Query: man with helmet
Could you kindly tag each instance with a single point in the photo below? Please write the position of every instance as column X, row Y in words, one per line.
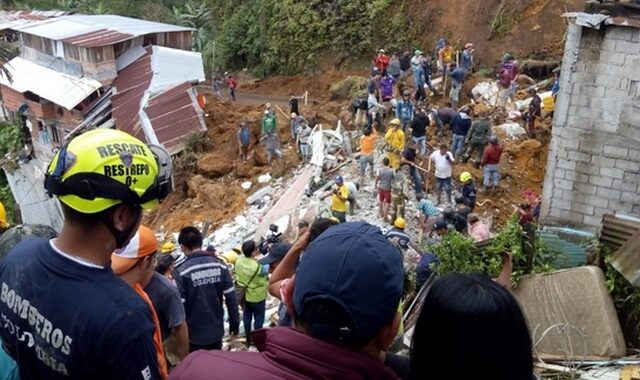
column 397, row 234
column 490, row 164
column 394, row 143
column 64, row 313
column 468, row 190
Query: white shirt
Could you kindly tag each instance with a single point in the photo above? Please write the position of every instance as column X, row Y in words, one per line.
column 443, row 167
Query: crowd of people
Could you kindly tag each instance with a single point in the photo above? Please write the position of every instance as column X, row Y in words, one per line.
column 106, row 299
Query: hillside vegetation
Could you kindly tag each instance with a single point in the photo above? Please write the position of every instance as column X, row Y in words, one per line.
column 301, row 36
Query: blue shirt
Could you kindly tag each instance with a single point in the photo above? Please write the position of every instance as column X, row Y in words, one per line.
column 427, row 208
column 467, row 59
column 203, row 281
column 460, row 124
column 457, row 75
column 556, row 87
column 71, row 320
column 400, row 236
column 404, row 110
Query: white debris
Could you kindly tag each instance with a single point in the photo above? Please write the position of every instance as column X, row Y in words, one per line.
column 253, row 198
column 512, row 130
column 241, row 221
column 264, row 178
column 246, row 185
column 486, row 92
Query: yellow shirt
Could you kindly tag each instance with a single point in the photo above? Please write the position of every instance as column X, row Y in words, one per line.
column 336, row 203
column 447, row 54
column 395, row 138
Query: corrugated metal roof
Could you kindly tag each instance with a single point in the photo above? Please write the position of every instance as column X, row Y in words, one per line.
column 102, row 37
column 175, row 114
column 62, row 89
column 171, row 66
column 595, row 20
column 13, row 19
column 627, row 261
column 172, row 109
column 96, row 30
column 617, row 229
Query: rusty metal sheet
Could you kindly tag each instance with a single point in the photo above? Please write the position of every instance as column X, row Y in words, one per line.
column 626, row 260
column 617, row 229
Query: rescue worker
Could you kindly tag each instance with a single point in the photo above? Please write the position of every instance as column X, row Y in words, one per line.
column 477, row 138
column 103, row 178
column 398, row 235
column 394, row 143
column 468, row 190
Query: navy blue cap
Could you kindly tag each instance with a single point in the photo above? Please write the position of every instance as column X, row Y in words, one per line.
column 440, row 224
column 276, row 253
column 339, row 179
column 355, row 266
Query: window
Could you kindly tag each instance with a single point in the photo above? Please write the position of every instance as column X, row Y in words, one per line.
column 55, row 134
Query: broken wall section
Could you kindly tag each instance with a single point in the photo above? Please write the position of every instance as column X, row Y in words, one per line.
column 593, row 166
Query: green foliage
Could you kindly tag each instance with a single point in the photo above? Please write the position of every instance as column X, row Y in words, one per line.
column 455, row 252
column 11, row 138
column 626, row 298
column 6, row 197
column 289, row 36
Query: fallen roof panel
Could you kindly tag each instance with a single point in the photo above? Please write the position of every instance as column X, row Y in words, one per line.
column 62, row 89
column 102, row 37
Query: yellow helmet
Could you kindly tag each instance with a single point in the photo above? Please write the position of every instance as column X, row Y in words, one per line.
column 105, row 167
column 231, row 256
column 400, row 223
column 395, row 122
column 168, row 246
column 3, row 217
column 465, row 176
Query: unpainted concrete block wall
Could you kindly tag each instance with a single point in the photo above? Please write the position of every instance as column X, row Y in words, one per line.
column 593, row 166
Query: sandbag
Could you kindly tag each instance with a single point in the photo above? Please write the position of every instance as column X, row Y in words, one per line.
column 576, row 297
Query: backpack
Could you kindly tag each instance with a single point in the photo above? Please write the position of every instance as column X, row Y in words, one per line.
column 359, row 104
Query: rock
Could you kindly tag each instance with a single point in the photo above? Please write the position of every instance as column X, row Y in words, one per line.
column 217, row 195
column 195, row 184
column 246, row 185
column 215, row 165
column 348, row 88
column 244, row 170
column 259, row 156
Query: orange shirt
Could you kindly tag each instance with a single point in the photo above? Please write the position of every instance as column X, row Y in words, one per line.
column 367, row 144
column 157, row 338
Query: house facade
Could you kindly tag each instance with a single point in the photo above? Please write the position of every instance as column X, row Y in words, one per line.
column 72, row 75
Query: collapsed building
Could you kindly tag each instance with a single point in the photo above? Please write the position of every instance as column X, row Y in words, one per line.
column 77, row 72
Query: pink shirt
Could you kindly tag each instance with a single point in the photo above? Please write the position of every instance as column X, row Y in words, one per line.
column 479, row 231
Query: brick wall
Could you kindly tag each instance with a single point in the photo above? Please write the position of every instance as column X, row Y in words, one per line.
column 594, row 160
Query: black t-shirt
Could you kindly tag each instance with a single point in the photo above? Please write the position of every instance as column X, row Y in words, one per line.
column 62, row 319
column 293, row 105
column 419, row 125
column 405, row 63
column 409, row 154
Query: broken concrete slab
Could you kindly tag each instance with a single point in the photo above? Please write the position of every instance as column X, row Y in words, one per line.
column 258, row 195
